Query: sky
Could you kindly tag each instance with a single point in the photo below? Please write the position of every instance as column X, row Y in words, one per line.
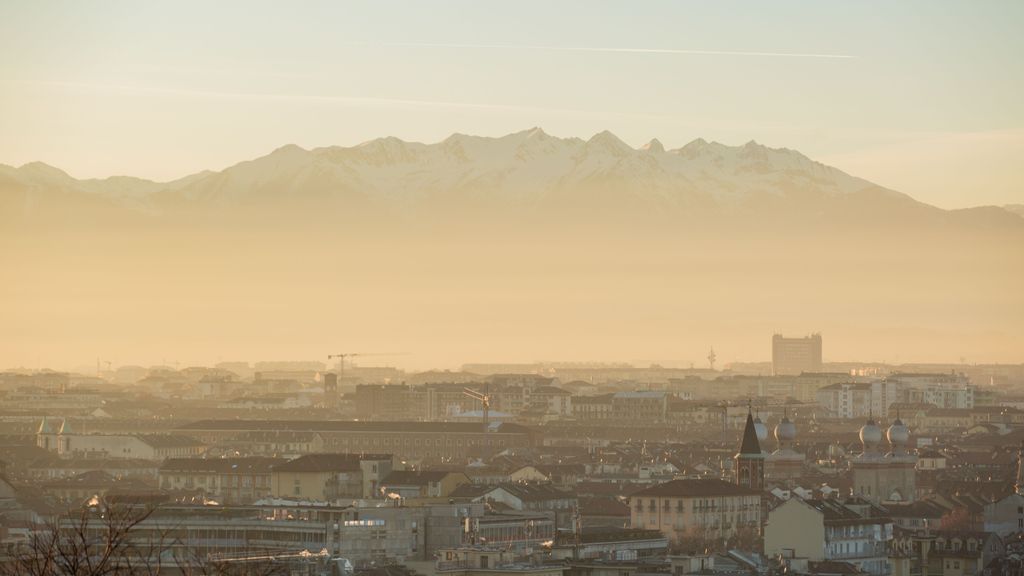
column 919, row 96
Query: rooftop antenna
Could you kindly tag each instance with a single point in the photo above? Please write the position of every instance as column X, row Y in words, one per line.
column 711, row 358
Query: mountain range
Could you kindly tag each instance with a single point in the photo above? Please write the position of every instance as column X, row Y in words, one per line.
column 519, row 248
column 528, row 171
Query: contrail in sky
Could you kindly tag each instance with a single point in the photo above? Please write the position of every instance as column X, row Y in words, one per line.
column 614, row 50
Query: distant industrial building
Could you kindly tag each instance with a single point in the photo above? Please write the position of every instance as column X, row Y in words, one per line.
column 796, row 355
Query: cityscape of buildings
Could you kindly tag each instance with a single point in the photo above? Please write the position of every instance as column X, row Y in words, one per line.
column 801, row 466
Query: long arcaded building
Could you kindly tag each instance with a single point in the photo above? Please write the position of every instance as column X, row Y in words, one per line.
column 407, row 440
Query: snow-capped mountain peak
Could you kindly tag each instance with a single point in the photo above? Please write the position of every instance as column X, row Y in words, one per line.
column 654, row 146
column 529, row 167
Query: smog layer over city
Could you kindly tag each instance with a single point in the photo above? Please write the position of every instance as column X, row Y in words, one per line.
column 506, row 288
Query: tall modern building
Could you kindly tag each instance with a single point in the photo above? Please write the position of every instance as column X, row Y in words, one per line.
column 793, row 356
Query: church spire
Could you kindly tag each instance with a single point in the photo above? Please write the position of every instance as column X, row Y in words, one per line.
column 750, row 459
column 750, row 444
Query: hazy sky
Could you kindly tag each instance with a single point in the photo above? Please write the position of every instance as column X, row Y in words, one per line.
column 923, row 97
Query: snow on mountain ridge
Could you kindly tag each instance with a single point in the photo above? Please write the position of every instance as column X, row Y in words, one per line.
column 529, row 166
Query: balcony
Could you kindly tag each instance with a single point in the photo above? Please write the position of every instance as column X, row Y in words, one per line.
column 875, row 550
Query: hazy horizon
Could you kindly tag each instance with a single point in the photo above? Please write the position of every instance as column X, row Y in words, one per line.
column 885, row 134
column 513, row 249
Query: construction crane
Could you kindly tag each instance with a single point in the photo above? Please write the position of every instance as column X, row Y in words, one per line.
column 485, row 399
column 342, row 356
column 98, row 362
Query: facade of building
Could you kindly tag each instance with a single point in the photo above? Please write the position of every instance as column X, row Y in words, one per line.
column 949, row 390
column 489, row 561
column 225, row 480
column 592, row 408
column 421, row 483
column 330, row 477
column 67, row 443
column 409, row 441
column 796, row 355
column 889, row 477
column 708, row 510
column 856, row 399
column 846, row 399
column 948, row 553
column 363, row 535
column 827, row 530
column 647, row 406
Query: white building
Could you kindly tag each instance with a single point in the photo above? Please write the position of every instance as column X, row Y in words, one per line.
column 942, row 390
column 821, row 530
column 68, row 444
column 859, row 399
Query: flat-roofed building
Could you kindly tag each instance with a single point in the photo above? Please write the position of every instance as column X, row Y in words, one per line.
column 329, row 477
column 796, row 355
column 226, row 480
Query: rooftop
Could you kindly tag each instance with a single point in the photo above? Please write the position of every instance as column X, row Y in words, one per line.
column 221, row 465
column 328, row 462
column 416, row 477
column 695, row 488
column 348, row 426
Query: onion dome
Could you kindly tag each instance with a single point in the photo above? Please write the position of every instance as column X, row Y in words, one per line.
column 870, row 435
column 761, row 429
column 785, row 431
column 898, row 434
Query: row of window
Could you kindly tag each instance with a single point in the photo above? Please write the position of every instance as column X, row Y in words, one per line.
column 227, row 481
column 421, row 442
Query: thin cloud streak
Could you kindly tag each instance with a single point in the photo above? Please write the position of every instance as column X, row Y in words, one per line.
column 354, row 101
column 270, row 96
column 612, row 50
